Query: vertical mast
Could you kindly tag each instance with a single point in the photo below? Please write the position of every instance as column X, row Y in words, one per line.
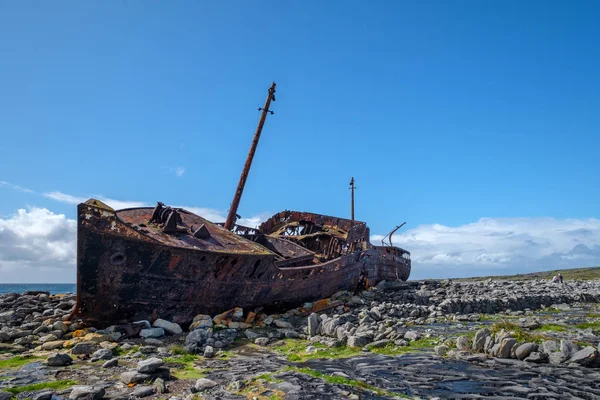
column 352, row 189
column 231, row 217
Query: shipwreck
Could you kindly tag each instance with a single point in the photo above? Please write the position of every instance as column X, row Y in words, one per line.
column 148, row 262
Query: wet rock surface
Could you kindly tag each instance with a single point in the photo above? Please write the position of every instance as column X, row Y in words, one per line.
column 433, row 339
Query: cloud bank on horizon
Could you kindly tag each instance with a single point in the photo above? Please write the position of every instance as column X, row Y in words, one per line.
column 37, row 245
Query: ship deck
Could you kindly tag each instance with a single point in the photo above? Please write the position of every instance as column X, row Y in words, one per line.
column 219, row 240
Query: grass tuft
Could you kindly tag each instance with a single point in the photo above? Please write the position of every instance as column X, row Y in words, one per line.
column 295, row 350
column 518, row 333
column 16, row 362
column 416, row 345
column 585, row 325
column 56, row 385
column 340, row 380
column 552, row 328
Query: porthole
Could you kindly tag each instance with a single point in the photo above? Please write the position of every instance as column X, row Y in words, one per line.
column 118, row 259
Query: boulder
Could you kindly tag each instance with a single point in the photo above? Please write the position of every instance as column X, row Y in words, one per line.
column 556, row 357
column 462, row 343
column 358, row 341
column 203, row 384
column 143, row 391
column 314, row 323
column 524, row 350
column 201, row 321
column 568, row 348
column 169, row 327
column 505, row 347
column 102, row 354
column 152, row 333
column 113, row 362
column 480, row 339
column 283, row 324
column 86, row 392
column 149, row 365
column 53, row 345
column 84, row 348
column 441, row 350
column 209, row 352
column 59, row 360
column 412, row 335
column 537, row 357
column 550, row 346
column 133, row 377
column 584, row 356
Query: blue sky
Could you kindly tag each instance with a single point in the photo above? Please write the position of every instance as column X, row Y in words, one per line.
column 444, row 112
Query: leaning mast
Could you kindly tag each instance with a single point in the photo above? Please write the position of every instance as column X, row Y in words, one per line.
column 232, row 216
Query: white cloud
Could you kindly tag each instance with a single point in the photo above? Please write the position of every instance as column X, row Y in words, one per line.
column 500, row 246
column 65, row 198
column 37, row 245
column 15, row 187
column 116, row 204
column 216, row 216
column 178, row 171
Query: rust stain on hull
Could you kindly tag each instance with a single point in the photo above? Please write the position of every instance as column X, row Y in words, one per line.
column 131, row 266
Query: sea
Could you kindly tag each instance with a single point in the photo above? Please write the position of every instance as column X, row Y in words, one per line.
column 53, row 288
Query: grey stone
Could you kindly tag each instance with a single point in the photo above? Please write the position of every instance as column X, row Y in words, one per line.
column 152, row 333
column 358, row 341
column 378, row 344
column 43, row 395
column 5, row 395
column 143, row 391
column 314, row 323
column 102, row 354
column 537, row 357
column 480, row 339
column 412, row 335
column 56, row 344
column 111, row 363
column 149, row 365
column 283, row 324
column 198, row 336
column 557, row 357
column 61, row 326
column 133, row 377
column 292, row 334
column 550, row 346
column 209, row 352
column 253, row 334
column 568, row 348
column 441, row 350
column 203, row 384
column 462, row 343
column 86, row 392
column 584, row 356
column 524, row 350
column 59, row 360
column 261, row 341
column 48, row 338
column 169, row 327
column 505, row 347
column 84, row 348
column 159, row 386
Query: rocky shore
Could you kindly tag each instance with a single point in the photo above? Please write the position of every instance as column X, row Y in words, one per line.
column 432, row 339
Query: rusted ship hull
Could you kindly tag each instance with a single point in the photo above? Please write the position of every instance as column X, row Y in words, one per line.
column 129, row 269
